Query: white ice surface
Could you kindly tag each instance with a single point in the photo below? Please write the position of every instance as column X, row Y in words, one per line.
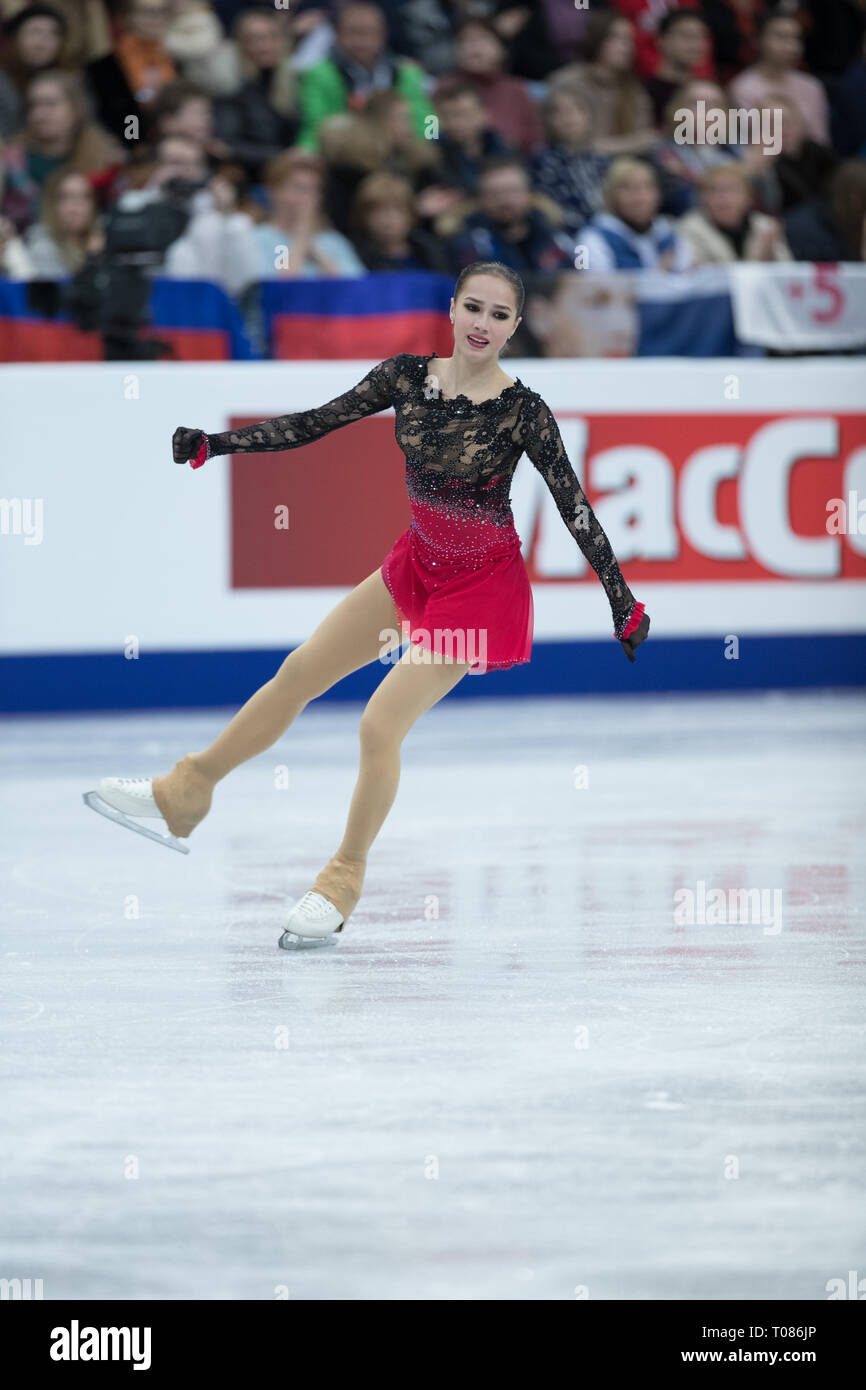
column 437, row 1125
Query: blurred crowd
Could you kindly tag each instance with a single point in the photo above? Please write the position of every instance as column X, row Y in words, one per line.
column 317, row 138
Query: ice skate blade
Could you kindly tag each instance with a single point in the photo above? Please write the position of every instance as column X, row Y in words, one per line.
column 291, row 941
column 96, row 803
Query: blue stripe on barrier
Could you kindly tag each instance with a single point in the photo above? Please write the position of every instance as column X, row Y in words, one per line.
column 204, row 679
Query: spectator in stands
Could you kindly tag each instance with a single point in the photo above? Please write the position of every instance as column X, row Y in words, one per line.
column 426, row 33
column 832, row 227
column 726, row 227
column 781, row 47
column 126, row 82
column 404, row 151
column 378, row 139
column 622, row 110
column 215, row 245
column 684, row 43
column 833, row 30
column 508, row 106
column 296, row 241
column 645, row 17
column 182, row 108
column 33, row 42
column 259, row 119
column 795, row 173
column 69, row 227
column 387, row 232
column 535, row 36
column 259, row 50
column 511, row 224
column 359, row 65
column 848, row 121
column 541, row 36
column 86, row 28
column 630, row 234
column 350, row 149
column 58, row 132
column 466, row 139
column 193, row 32
column 733, row 25
column 681, row 165
column 567, row 169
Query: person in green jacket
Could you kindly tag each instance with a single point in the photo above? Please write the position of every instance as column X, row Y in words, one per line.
column 360, row 64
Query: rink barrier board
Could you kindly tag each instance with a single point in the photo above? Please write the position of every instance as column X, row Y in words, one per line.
column 206, row 679
column 716, row 509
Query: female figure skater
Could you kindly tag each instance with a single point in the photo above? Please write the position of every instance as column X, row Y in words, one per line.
column 456, row 572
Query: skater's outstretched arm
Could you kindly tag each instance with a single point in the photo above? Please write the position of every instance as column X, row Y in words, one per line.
column 543, row 443
column 373, row 393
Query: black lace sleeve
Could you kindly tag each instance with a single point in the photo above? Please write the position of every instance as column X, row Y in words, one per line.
column 543, row 444
column 375, row 392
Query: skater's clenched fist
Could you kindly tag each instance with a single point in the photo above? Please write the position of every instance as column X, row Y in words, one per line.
column 635, row 638
column 190, row 446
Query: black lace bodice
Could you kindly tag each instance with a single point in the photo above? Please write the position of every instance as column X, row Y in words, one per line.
column 446, row 438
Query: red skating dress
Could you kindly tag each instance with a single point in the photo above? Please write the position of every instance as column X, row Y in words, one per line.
column 456, row 574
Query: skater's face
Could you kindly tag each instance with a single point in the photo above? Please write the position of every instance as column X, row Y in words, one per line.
column 485, row 316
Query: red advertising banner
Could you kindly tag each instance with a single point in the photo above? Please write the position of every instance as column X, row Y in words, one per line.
column 684, row 497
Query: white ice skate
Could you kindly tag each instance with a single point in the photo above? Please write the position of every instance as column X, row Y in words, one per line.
column 121, row 798
column 312, row 918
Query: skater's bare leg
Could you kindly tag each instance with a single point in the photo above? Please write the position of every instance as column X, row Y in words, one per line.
column 411, row 687
column 348, row 638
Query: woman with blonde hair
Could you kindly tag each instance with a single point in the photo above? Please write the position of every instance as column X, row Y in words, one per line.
column 629, row 234
column 385, row 227
column 58, row 132
column 297, row 238
column 726, row 227
column 69, row 227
